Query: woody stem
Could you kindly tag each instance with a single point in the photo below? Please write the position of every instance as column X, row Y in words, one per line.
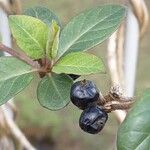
column 18, row 55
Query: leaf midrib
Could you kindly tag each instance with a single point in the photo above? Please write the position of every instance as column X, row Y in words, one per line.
column 36, row 14
column 142, row 142
column 16, row 75
column 73, row 66
column 55, row 86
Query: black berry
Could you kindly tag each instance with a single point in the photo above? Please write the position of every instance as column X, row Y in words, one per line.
column 74, row 76
column 93, row 119
column 84, row 93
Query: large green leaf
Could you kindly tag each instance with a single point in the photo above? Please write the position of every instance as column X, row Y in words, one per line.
column 43, row 14
column 30, row 34
column 15, row 75
column 79, row 63
column 54, row 91
column 134, row 133
column 90, row 28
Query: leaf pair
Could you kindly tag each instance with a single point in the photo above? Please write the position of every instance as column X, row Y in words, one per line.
column 83, row 32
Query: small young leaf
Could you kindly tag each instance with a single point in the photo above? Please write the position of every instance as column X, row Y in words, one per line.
column 43, row 14
column 53, row 40
column 79, row 63
column 134, row 133
column 15, row 75
column 30, row 34
column 90, row 28
column 54, row 91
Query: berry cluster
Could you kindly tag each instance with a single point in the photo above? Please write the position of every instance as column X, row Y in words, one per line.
column 85, row 95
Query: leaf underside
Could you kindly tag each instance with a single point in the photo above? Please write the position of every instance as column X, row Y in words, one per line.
column 15, row 75
column 134, row 133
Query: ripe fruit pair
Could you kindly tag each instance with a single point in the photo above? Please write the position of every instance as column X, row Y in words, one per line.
column 84, row 94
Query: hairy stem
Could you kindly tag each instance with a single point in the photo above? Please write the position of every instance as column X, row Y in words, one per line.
column 18, row 55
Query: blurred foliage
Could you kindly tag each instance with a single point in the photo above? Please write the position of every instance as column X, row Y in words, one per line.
column 62, row 126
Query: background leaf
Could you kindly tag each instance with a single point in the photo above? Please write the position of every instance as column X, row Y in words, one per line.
column 53, row 40
column 43, row 14
column 134, row 133
column 54, row 91
column 79, row 63
column 90, row 28
column 30, row 34
column 1, row 53
column 15, row 75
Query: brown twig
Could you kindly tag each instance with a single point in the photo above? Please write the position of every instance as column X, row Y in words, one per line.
column 114, row 101
column 112, row 106
column 18, row 55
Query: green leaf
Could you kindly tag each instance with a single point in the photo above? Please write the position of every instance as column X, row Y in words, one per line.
column 1, row 53
column 53, row 40
column 30, row 34
column 15, row 75
column 134, row 133
column 90, row 28
column 43, row 14
column 54, row 91
column 79, row 63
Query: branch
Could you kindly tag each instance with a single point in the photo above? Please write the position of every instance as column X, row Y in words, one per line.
column 18, row 55
column 15, row 131
column 114, row 73
column 115, row 105
column 142, row 14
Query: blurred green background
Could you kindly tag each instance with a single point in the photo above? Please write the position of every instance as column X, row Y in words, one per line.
column 59, row 130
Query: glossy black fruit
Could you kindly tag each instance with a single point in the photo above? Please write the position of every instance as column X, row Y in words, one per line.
column 83, row 93
column 74, row 76
column 93, row 119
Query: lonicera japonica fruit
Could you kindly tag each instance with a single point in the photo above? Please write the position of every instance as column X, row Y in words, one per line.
column 83, row 93
column 93, row 119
